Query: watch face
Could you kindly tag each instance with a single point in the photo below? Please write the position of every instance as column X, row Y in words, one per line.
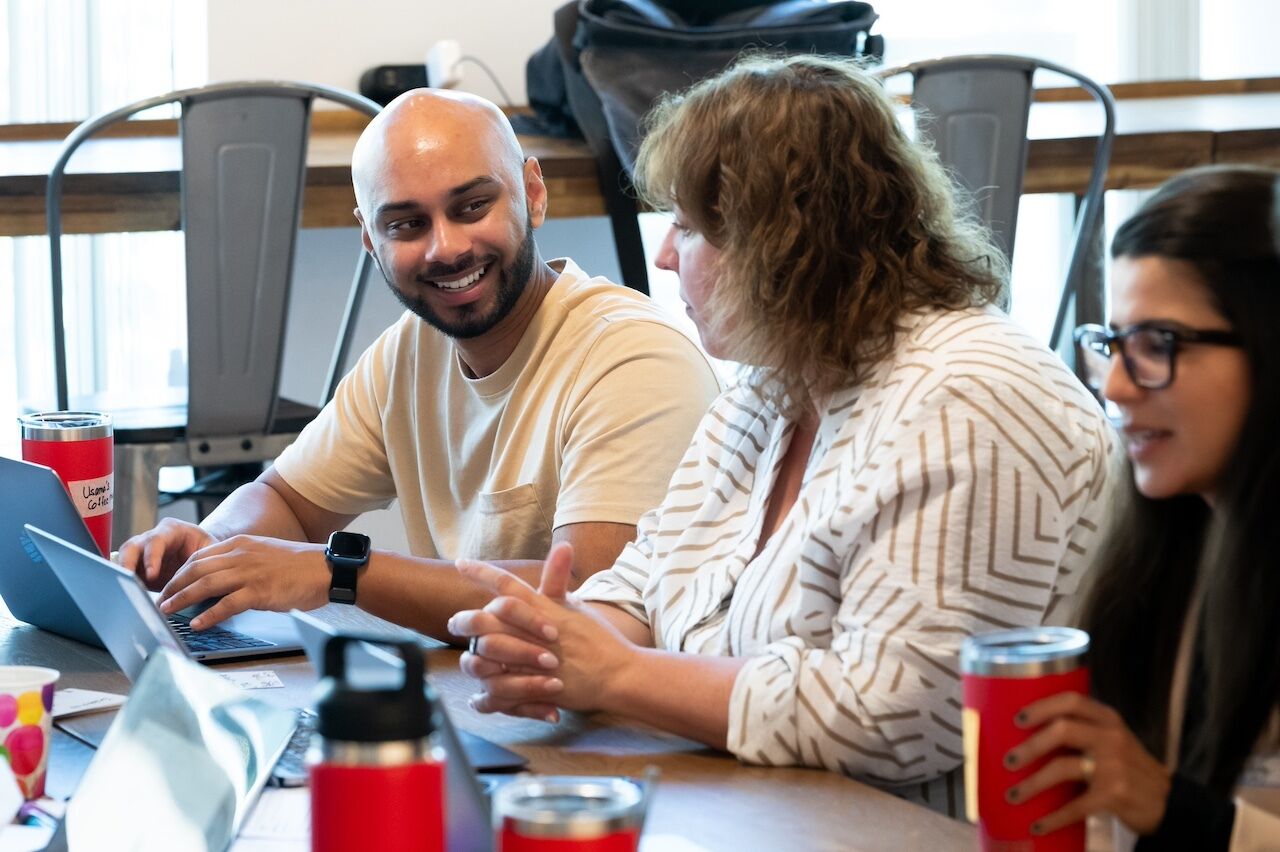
column 349, row 544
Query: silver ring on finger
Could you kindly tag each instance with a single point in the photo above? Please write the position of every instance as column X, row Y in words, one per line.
column 1087, row 767
column 472, row 645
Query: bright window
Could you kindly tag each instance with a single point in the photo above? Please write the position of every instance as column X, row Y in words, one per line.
column 66, row 60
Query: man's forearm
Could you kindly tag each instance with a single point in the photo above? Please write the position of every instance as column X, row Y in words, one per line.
column 254, row 509
column 425, row 593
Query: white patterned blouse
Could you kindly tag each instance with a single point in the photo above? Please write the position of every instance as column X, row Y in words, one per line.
column 960, row 489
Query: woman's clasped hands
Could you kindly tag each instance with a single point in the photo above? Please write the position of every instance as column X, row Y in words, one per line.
column 537, row 650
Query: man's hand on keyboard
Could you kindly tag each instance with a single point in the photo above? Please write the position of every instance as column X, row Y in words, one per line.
column 249, row 572
column 157, row 554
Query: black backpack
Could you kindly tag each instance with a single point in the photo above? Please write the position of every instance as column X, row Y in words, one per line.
column 610, row 60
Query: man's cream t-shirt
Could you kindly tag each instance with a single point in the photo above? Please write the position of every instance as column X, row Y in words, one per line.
column 585, row 422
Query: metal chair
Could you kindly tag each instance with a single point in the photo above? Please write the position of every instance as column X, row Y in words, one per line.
column 975, row 110
column 242, row 180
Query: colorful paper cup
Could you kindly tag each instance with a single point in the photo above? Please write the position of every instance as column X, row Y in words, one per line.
column 26, row 722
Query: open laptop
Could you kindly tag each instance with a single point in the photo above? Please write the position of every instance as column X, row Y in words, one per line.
column 124, row 614
column 180, row 766
column 33, row 494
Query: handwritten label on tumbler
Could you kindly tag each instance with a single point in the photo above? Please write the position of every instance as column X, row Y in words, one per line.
column 93, row 496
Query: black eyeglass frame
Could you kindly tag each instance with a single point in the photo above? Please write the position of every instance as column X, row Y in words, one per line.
column 1174, row 337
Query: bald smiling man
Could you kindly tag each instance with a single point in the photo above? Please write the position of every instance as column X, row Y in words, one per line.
column 517, row 403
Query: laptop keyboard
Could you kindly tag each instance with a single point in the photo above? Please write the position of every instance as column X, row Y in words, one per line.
column 291, row 769
column 213, row 639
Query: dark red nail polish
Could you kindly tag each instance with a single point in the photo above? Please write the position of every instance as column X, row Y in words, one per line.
column 1037, row 829
column 1011, row 794
column 1021, row 718
column 1010, row 760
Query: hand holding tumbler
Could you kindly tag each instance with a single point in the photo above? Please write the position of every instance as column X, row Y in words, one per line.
column 1002, row 673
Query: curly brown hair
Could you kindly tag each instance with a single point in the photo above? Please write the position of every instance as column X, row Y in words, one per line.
column 831, row 222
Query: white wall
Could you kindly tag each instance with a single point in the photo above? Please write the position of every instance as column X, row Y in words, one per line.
column 1238, row 38
column 333, row 41
column 1081, row 34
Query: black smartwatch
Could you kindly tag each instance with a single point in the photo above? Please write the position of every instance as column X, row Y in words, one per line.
column 346, row 553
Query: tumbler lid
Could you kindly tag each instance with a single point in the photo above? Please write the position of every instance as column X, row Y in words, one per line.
column 346, row 713
column 569, row 806
column 1025, row 652
column 65, row 426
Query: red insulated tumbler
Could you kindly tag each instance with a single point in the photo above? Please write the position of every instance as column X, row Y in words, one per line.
column 1003, row 672
column 569, row 813
column 377, row 772
column 78, row 446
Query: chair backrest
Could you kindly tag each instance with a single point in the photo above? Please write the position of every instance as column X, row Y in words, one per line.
column 243, row 174
column 975, row 111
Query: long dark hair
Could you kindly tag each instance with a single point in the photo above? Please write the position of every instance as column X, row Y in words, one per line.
column 1225, row 222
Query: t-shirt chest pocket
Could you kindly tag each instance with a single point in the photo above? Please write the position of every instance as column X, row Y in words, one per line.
column 508, row 524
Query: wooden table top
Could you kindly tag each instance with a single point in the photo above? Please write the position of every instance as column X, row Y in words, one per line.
column 704, row 796
column 131, row 183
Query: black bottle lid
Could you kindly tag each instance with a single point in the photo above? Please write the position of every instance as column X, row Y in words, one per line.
column 344, row 712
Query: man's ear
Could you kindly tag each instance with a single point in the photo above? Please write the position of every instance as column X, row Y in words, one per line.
column 368, row 246
column 364, row 233
column 535, row 191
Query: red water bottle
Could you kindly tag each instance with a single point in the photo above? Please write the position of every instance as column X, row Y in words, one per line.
column 377, row 771
column 1003, row 672
column 78, row 445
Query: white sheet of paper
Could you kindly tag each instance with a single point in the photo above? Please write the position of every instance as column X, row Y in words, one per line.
column 262, row 679
column 281, row 820
column 70, row 701
column 24, row 838
column 257, row 844
column 281, row 814
column 668, row 843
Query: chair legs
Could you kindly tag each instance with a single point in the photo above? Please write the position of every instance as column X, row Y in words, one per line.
column 138, row 486
column 138, row 496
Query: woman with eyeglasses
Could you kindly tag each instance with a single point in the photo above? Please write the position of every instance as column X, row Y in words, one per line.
column 1184, row 606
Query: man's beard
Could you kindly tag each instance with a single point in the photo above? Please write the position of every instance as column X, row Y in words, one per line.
column 470, row 322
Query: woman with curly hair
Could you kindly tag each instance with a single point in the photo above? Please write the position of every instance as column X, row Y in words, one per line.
column 899, row 466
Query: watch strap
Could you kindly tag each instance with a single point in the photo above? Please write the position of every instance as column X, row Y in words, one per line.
column 342, row 583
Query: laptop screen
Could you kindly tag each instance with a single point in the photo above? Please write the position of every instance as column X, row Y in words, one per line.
column 32, row 494
column 181, row 765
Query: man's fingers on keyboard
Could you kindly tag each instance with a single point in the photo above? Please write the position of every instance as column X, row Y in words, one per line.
column 232, row 604
column 198, row 582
